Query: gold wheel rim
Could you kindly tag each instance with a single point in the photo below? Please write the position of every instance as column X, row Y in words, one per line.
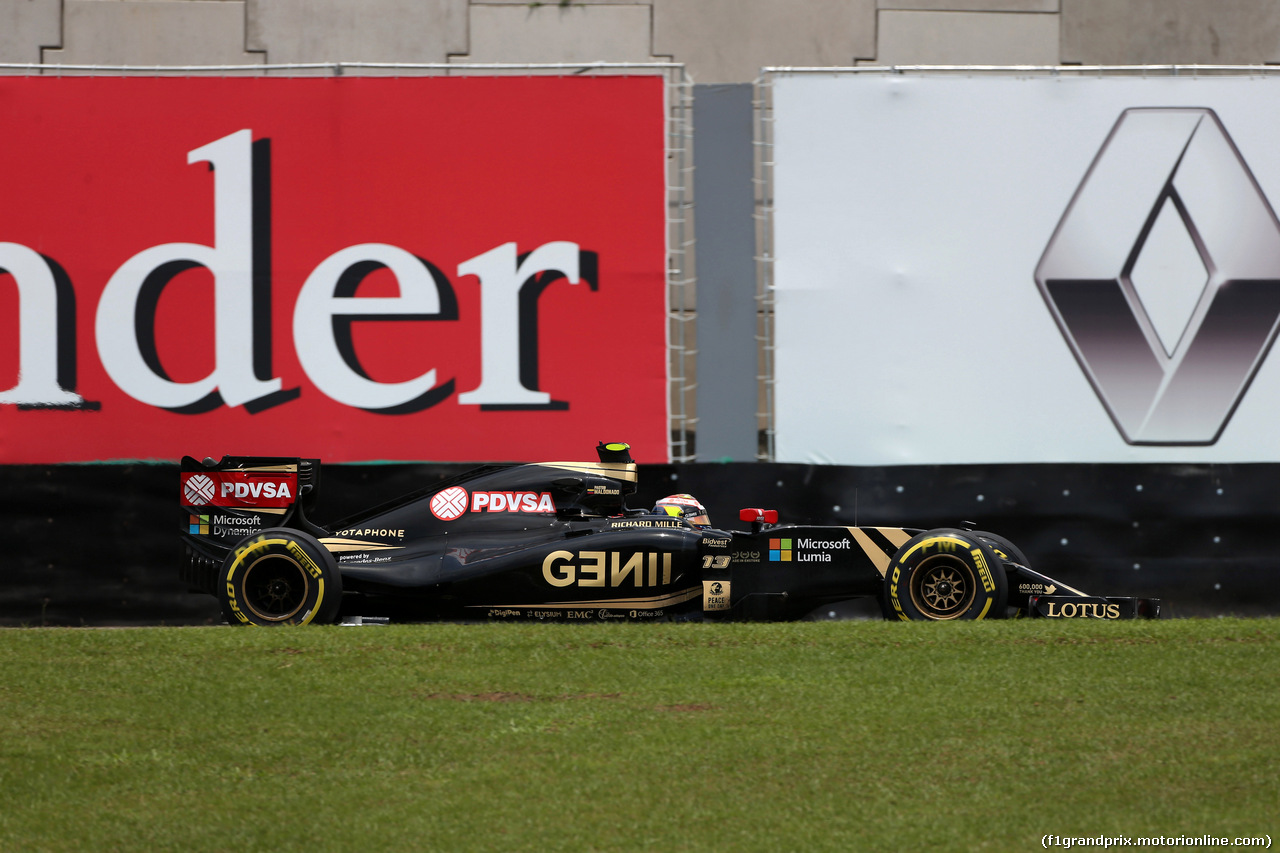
column 275, row 587
column 942, row 587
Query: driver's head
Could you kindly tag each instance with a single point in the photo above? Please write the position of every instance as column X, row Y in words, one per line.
column 684, row 506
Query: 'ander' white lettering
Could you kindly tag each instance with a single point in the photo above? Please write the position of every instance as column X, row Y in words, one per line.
column 230, row 260
column 39, row 346
column 124, row 319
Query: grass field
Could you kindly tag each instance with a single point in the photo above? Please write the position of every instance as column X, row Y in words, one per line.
column 809, row 736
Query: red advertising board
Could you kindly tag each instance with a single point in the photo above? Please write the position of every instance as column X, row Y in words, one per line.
column 450, row 269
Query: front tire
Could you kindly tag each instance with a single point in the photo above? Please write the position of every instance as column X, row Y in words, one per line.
column 944, row 575
column 1004, row 549
column 280, row 577
column 1009, row 553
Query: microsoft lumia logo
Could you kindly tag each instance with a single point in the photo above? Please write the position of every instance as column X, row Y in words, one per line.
column 1164, row 276
column 780, row 550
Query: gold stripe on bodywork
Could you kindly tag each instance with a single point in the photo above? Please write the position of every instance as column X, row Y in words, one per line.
column 615, row 470
column 333, row 543
column 1070, row 589
column 896, row 536
column 651, row 603
column 290, row 468
column 878, row 558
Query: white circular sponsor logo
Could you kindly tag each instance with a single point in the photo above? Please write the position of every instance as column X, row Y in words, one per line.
column 199, row 489
column 449, row 504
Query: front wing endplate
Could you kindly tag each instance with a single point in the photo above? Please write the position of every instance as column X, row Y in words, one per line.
column 1093, row 607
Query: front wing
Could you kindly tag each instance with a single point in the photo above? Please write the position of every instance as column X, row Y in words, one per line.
column 1040, row 596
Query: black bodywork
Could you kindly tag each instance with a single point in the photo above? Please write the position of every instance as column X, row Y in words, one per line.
column 556, row 541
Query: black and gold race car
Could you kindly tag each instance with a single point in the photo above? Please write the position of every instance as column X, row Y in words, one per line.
column 555, row 541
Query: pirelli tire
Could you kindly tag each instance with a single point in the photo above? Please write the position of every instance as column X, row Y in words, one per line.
column 280, row 577
column 943, row 575
column 1010, row 553
column 1004, row 549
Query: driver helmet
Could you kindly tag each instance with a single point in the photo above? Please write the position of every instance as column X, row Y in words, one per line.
column 684, row 506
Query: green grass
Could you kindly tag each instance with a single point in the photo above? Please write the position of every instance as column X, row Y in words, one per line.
column 840, row 736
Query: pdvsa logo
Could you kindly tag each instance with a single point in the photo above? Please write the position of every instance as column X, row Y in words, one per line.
column 255, row 489
column 451, row 503
column 199, row 489
column 238, row 489
column 1164, row 276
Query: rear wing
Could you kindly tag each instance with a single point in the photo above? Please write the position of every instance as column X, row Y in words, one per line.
column 223, row 502
column 268, row 485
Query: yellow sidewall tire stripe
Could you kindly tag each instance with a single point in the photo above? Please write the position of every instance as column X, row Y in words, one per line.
column 260, row 544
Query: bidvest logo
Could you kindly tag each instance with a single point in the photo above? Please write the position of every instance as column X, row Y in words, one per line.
column 1164, row 276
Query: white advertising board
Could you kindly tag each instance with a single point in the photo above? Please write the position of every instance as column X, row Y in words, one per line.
column 1000, row 269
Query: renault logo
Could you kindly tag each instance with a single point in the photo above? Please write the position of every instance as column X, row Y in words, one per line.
column 1164, row 276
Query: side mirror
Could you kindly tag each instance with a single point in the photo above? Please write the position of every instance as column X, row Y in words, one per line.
column 758, row 517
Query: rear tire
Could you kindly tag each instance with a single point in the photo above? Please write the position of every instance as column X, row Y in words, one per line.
column 944, row 575
column 280, row 577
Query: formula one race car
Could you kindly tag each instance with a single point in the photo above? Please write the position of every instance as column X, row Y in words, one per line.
column 556, row 541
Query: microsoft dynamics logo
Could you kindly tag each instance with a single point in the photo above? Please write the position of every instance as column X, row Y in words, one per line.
column 1164, row 276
